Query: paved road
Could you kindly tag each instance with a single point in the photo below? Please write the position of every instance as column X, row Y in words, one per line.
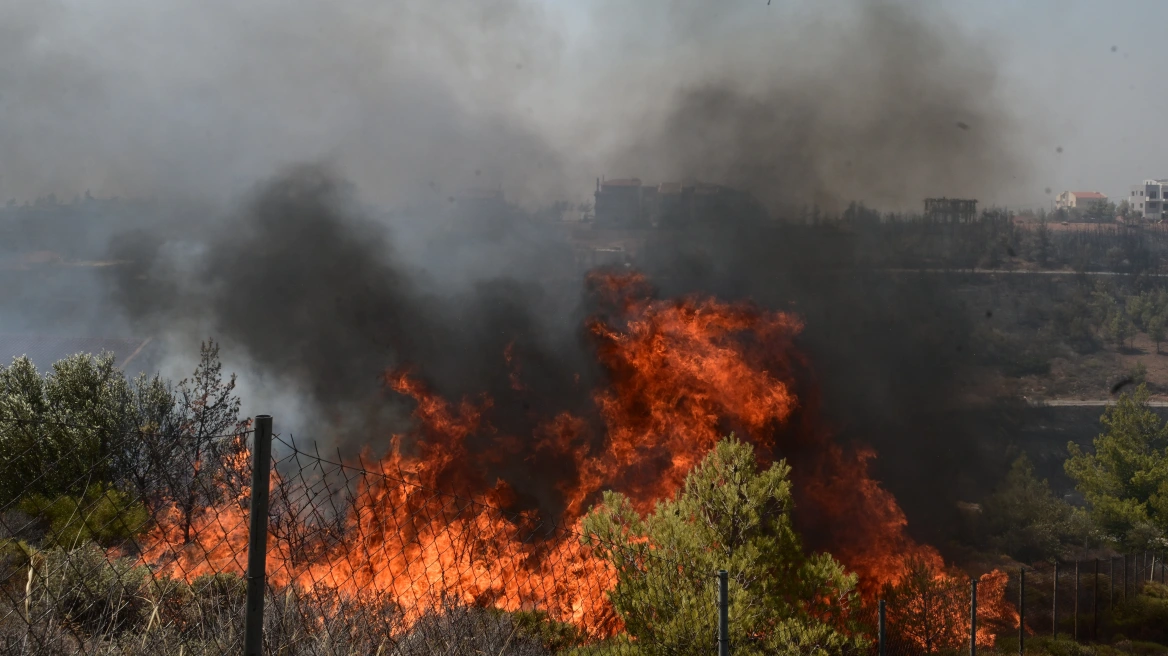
column 1084, row 403
column 1007, row 272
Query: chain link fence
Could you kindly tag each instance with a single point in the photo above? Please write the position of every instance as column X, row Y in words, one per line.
column 116, row 541
column 137, row 542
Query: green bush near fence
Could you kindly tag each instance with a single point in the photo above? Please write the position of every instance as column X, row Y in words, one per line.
column 101, row 514
column 1145, row 616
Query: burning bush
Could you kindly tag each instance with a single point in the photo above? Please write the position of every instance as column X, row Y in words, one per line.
column 729, row 516
column 931, row 609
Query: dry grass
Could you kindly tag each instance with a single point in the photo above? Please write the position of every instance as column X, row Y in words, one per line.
column 79, row 601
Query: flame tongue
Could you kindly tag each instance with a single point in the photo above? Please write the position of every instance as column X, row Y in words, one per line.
column 682, row 374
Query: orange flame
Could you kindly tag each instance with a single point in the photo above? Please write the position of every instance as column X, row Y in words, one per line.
column 682, row 374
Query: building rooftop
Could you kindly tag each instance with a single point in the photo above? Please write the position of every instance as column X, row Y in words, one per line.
column 1089, row 195
column 621, row 182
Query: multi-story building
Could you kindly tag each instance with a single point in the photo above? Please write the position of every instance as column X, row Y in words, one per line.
column 1079, row 199
column 1147, row 199
column 623, row 203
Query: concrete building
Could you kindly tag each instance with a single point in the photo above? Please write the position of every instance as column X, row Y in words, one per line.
column 1079, row 199
column 623, row 203
column 1147, row 199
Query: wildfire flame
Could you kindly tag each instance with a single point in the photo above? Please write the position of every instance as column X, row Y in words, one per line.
column 681, row 375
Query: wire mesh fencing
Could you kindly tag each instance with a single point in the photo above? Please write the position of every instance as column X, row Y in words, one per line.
column 136, row 540
column 128, row 540
column 373, row 559
column 1096, row 600
column 90, row 518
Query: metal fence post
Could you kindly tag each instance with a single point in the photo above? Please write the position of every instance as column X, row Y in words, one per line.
column 257, row 545
column 1021, row 610
column 723, row 613
column 1095, row 603
column 1054, row 604
column 880, row 635
column 1111, row 586
column 973, row 617
column 1076, row 631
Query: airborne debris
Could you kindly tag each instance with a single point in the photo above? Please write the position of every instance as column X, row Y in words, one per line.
column 1127, row 380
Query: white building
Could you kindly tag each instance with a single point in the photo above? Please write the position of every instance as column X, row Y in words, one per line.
column 1080, row 199
column 1147, row 199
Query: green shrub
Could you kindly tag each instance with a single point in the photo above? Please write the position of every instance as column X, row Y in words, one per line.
column 554, row 636
column 731, row 516
column 1024, row 519
column 1145, row 616
column 103, row 515
column 14, row 558
column 1061, row 646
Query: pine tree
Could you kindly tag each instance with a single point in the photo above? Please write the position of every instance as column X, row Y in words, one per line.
column 1125, row 480
column 728, row 516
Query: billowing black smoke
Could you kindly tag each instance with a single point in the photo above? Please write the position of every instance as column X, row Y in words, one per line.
column 887, row 105
column 314, row 293
column 318, row 295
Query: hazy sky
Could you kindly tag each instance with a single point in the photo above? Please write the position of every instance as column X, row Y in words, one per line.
column 1104, row 108
column 1058, row 72
column 537, row 96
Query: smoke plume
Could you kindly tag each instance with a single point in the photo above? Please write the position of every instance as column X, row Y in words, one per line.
column 885, row 103
column 807, row 104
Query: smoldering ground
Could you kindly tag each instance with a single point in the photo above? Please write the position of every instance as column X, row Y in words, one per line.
column 861, row 100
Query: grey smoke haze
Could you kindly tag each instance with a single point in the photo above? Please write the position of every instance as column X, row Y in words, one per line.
column 412, row 101
column 203, row 98
column 887, row 104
